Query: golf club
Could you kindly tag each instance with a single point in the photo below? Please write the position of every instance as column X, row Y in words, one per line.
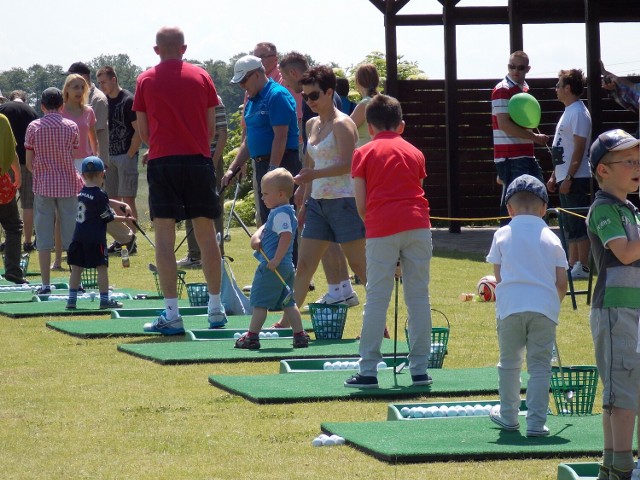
column 227, row 236
column 222, row 189
column 137, row 225
column 568, row 394
column 396, row 368
column 289, row 294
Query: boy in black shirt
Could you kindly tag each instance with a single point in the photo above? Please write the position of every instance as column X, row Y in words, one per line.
column 89, row 246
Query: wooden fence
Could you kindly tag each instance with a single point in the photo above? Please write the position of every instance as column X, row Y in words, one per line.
column 424, row 114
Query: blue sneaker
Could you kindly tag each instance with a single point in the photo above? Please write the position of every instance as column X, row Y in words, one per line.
column 164, row 326
column 217, row 318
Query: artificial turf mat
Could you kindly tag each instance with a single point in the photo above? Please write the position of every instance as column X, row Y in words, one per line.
column 57, row 308
column 132, row 326
column 172, row 353
column 328, row 385
column 469, row 438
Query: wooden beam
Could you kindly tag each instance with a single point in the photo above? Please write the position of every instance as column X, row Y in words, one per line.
column 451, row 111
column 594, row 74
column 391, row 46
column 379, row 4
column 516, row 36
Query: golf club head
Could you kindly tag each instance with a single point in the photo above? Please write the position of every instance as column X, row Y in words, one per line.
column 400, row 367
column 227, row 237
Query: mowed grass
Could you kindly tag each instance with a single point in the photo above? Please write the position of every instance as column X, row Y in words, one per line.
column 73, row 408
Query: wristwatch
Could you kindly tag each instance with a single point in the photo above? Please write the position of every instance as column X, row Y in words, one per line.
column 569, row 177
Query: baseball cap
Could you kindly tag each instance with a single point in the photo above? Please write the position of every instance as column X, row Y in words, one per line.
column 527, row 183
column 51, row 98
column 610, row 141
column 244, row 65
column 92, row 164
column 80, row 68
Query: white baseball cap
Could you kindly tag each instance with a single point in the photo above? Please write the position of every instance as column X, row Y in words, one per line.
column 245, row 65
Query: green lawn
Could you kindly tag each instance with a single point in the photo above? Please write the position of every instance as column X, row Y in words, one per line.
column 74, row 408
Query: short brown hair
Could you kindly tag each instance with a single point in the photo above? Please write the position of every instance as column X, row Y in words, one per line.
column 384, row 113
column 574, row 78
column 282, row 180
column 107, row 70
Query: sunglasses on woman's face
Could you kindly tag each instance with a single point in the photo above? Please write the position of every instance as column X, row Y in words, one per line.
column 312, row 96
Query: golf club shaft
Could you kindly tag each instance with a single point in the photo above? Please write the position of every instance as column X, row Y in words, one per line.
column 244, row 227
column 233, row 209
column 137, row 225
column 395, row 327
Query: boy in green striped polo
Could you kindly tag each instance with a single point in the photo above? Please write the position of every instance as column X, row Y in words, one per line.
column 613, row 228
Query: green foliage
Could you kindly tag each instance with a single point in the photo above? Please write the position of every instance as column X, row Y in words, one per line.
column 406, row 70
column 246, row 210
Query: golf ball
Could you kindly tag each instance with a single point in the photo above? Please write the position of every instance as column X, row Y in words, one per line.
column 453, row 411
column 444, row 409
column 418, row 413
column 338, row 439
column 405, row 411
column 478, row 410
column 316, row 442
column 261, row 335
column 322, row 436
column 327, row 366
column 328, row 442
column 428, row 413
column 382, row 365
column 237, row 335
column 274, row 335
column 470, row 410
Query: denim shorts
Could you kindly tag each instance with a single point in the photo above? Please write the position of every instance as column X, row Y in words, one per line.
column 267, row 291
column 578, row 196
column 181, row 187
column 615, row 335
column 334, row 220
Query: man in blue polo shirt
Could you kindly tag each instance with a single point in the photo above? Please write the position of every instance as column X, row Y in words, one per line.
column 272, row 124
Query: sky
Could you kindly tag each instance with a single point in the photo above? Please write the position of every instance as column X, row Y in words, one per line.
column 340, row 31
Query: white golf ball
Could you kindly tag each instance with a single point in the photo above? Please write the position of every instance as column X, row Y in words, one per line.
column 382, row 365
column 478, row 410
column 316, row 442
column 470, row 410
column 453, row 411
column 261, row 335
column 322, row 436
column 437, row 413
column 428, row 412
column 339, row 440
column 327, row 366
column 274, row 335
column 328, row 442
column 444, row 409
column 405, row 411
column 418, row 413
column 237, row 335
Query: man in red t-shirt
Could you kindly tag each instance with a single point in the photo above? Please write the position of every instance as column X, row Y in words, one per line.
column 175, row 106
column 513, row 144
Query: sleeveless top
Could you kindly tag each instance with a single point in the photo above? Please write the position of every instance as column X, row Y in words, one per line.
column 325, row 154
column 363, row 129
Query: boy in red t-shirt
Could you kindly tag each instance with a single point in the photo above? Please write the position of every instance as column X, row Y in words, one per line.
column 387, row 174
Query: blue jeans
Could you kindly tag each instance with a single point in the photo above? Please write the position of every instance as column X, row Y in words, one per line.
column 509, row 170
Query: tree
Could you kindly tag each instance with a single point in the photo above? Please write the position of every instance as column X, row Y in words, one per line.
column 14, row 79
column 406, row 70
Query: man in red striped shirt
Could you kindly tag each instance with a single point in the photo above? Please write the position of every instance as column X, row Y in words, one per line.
column 513, row 144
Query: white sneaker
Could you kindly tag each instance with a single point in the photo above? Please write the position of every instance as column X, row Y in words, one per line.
column 579, row 271
column 328, row 299
column 352, row 300
column 188, row 262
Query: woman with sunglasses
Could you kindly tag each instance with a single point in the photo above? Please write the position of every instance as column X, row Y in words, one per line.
column 367, row 81
column 329, row 211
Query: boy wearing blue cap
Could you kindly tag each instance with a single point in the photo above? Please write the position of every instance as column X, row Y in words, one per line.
column 88, row 248
column 613, row 226
column 530, row 267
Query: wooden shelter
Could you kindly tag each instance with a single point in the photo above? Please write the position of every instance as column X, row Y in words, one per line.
column 450, row 120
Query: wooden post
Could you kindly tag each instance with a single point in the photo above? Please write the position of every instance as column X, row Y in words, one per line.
column 516, row 37
column 451, row 109
column 594, row 75
column 391, row 43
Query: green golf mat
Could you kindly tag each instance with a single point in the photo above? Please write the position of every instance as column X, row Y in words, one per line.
column 172, row 353
column 328, row 385
column 132, row 327
column 141, row 310
column 469, row 438
column 57, row 308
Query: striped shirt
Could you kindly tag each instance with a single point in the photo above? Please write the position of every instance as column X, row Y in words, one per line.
column 504, row 145
column 53, row 140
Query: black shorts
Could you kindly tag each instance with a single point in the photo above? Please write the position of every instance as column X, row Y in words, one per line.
column 87, row 255
column 181, row 187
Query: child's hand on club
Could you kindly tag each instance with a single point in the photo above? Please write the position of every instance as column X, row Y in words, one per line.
column 272, row 265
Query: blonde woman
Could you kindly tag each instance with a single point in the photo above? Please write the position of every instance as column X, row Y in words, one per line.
column 75, row 94
column 367, row 81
